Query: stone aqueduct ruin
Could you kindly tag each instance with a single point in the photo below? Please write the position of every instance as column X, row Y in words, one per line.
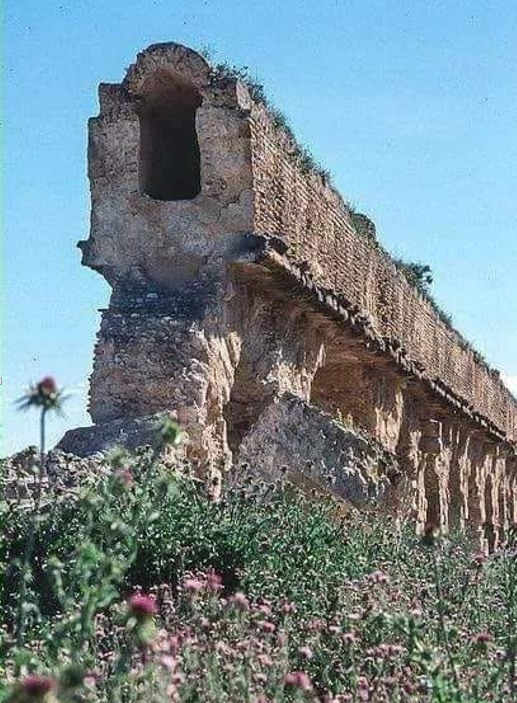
column 250, row 301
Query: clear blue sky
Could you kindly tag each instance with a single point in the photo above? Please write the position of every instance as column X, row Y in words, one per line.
column 410, row 103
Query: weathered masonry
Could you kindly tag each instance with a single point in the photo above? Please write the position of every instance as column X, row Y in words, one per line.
column 250, row 301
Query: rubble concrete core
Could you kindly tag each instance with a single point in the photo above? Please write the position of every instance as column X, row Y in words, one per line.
column 251, row 302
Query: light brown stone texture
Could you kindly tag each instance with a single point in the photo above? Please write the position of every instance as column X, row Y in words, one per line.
column 249, row 301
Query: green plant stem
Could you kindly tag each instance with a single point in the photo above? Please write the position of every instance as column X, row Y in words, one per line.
column 511, row 652
column 42, row 442
column 441, row 616
column 31, row 538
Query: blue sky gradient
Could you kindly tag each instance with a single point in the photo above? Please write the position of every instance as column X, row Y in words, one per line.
column 411, row 105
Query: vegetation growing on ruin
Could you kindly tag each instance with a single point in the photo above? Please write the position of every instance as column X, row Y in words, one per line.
column 225, row 71
column 419, row 275
column 142, row 588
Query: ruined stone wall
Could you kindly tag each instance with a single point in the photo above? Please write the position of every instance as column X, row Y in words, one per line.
column 245, row 302
column 455, row 472
column 317, row 225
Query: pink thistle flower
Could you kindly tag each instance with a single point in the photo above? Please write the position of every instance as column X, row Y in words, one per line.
column 172, row 692
column 478, row 560
column 288, row 608
column 240, row 601
column 389, row 681
column 142, row 606
column 349, row 638
column 282, row 639
column 168, row 661
column 174, row 644
column 267, row 626
column 36, row 687
column 214, row 581
column 379, row 577
column 316, row 625
column 363, row 689
column 265, row 660
column 224, row 649
column 193, row 585
column 90, row 680
column 306, row 652
column 44, row 394
column 47, row 386
column 482, row 639
column 125, row 476
column 383, row 650
column 244, row 645
column 298, row 679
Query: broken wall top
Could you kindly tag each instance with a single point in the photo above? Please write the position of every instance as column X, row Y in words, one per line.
column 185, row 168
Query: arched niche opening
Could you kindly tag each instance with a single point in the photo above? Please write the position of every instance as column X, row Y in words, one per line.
column 343, row 387
column 169, row 148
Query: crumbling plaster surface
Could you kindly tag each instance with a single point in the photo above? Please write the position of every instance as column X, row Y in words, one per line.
column 256, row 312
column 133, row 235
column 335, row 458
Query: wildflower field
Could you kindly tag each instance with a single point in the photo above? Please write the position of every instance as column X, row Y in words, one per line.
column 128, row 583
column 140, row 588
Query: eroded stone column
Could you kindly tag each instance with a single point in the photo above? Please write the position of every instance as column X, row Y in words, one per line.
column 430, row 502
column 389, row 410
column 501, row 493
column 410, row 491
column 459, row 476
column 148, row 361
column 444, row 467
column 511, row 467
column 483, row 508
column 475, row 513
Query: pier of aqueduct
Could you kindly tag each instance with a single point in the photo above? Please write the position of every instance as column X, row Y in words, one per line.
column 250, row 301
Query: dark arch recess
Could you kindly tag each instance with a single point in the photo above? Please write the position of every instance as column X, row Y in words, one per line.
column 169, row 148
